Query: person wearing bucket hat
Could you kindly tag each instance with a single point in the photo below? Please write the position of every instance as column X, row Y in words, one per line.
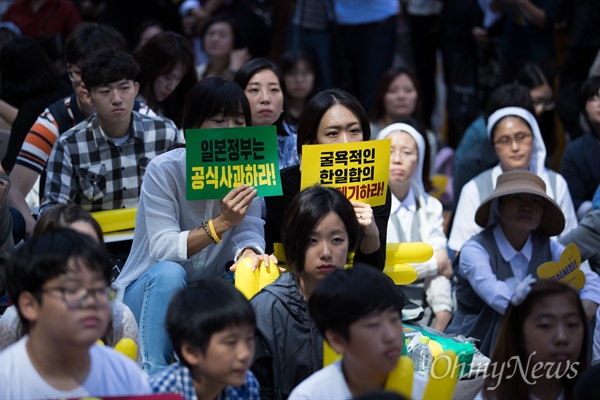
column 518, row 144
column 415, row 216
column 518, row 220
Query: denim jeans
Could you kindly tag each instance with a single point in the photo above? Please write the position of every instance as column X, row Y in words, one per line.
column 148, row 298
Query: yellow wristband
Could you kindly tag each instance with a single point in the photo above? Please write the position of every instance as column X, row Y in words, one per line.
column 213, row 231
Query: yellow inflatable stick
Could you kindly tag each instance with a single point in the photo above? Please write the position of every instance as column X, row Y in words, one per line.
column 251, row 282
column 439, row 183
column 246, row 280
column 115, row 220
column 100, row 342
column 410, row 252
column 443, row 377
column 401, row 274
column 128, row 347
column 329, row 355
column 400, row 380
column 267, row 275
column 566, row 270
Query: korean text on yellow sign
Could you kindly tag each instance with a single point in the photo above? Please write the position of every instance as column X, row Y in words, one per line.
column 218, row 160
column 359, row 169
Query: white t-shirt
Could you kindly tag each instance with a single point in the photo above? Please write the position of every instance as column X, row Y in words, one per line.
column 329, row 383
column 111, row 374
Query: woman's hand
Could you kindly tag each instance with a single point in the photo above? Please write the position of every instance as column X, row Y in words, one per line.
column 366, row 220
column 256, row 260
column 364, row 214
column 234, row 207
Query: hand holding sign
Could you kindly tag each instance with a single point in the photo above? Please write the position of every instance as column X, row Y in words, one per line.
column 566, row 270
column 235, row 204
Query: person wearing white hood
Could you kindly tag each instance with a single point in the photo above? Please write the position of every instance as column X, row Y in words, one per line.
column 415, row 216
column 518, row 143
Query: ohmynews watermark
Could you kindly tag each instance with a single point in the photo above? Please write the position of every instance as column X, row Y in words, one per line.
column 530, row 372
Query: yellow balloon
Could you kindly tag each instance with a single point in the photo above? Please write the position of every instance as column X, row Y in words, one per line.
column 246, row 280
column 128, row 347
column 443, row 377
column 400, row 380
column 329, row 354
column 409, row 252
column 115, row 220
column 401, row 274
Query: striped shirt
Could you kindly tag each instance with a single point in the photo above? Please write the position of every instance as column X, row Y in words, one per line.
column 54, row 121
column 88, row 168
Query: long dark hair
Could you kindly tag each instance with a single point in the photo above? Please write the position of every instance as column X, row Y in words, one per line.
column 511, row 342
column 378, row 110
column 251, row 68
column 318, row 105
column 158, row 56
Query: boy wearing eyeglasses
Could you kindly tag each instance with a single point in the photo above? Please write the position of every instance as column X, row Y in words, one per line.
column 60, row 284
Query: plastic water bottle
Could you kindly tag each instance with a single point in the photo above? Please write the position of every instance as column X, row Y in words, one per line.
column 422, row 357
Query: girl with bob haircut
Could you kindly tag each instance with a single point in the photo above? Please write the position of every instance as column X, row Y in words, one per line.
column 167, row 73
column 332, row 116
column 518, row 220
column 321, row 230
column 178, row 241
column 264, row 86
column 544, row 324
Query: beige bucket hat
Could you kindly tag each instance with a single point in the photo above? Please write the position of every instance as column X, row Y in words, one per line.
column 514, row 182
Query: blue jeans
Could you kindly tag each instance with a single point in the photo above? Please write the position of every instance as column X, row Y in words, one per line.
column 148, row 298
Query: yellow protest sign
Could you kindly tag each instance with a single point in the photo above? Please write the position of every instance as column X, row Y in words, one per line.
column 566, row 270
column 359, row 169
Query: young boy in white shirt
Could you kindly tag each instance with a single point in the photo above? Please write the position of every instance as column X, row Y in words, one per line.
column 59, row 282
column 359, row 312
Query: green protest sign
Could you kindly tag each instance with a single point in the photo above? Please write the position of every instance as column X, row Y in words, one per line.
column 220, row 159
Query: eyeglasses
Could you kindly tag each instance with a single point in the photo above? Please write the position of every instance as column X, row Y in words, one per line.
column 77, row 296
column 507, row 141
column 402, row 153
column 74, row 74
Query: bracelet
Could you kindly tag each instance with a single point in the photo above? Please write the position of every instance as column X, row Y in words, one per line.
column 206, row 229
column 214, row 235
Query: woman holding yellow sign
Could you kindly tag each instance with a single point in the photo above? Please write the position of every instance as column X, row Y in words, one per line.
column 332, row 116
column 177, row 241
column 519, row 218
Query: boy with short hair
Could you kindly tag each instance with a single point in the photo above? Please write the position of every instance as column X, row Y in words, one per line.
column 86, row 39
column 359, row 312
column 211, row 326
column 100, row 163
column 60, row 285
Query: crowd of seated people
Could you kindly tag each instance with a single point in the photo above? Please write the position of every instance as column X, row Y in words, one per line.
column 109, row 132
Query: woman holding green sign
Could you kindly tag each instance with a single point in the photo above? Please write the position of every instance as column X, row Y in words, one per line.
column 332, row 116
column 177, row 241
